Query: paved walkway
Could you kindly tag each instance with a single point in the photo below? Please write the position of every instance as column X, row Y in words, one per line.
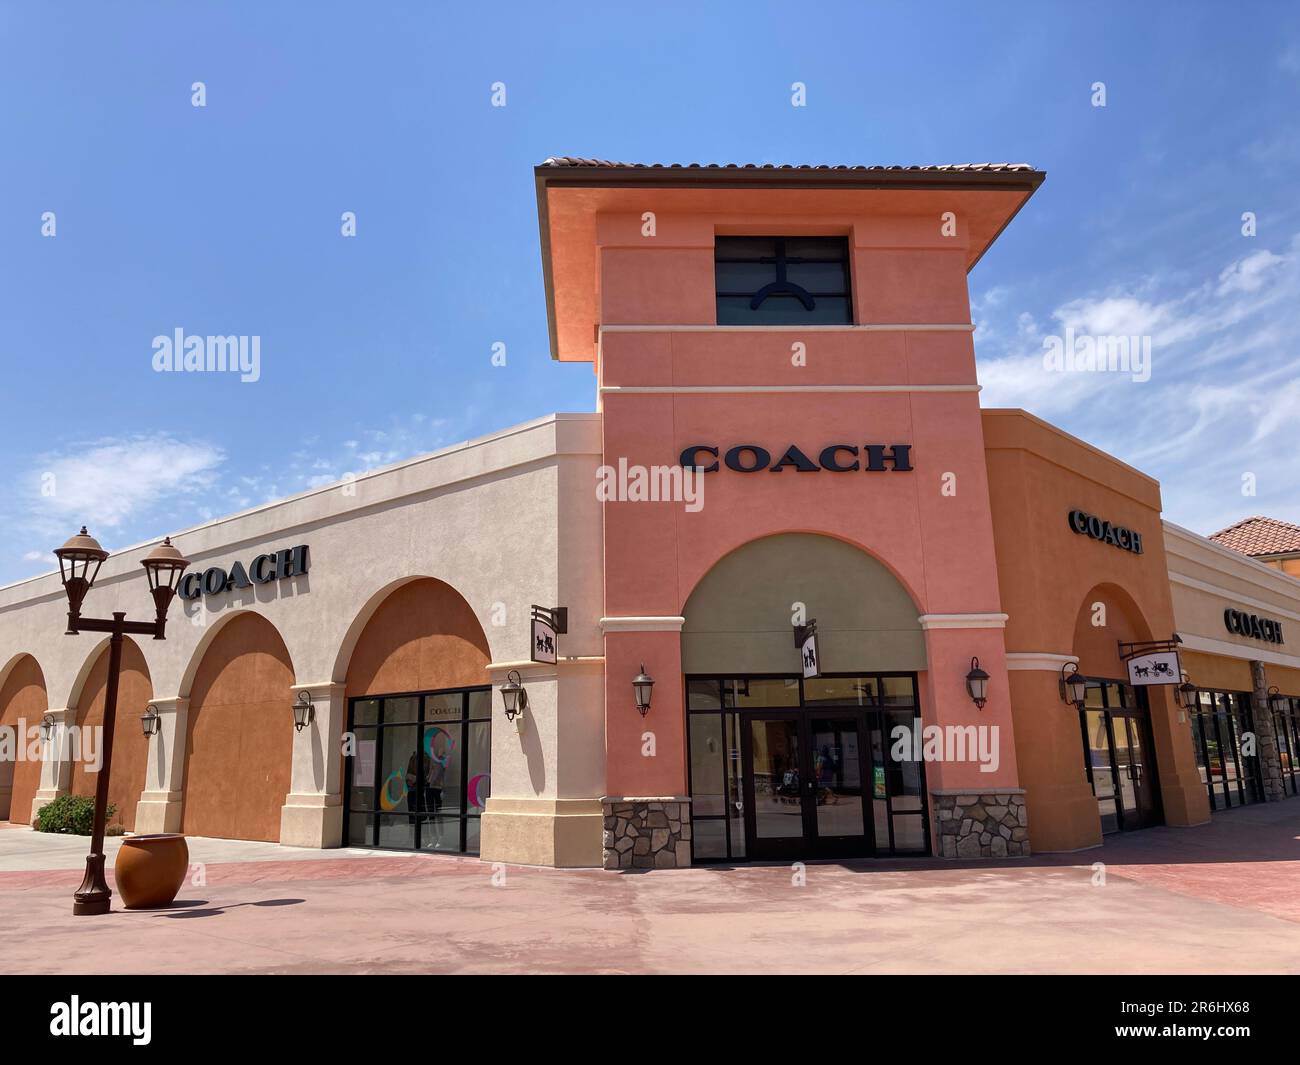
column 1222, row 898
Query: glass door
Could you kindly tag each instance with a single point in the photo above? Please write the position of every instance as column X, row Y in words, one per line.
column 1118, row 755
column 837, row 753
column 776, row 822
column 806, row 785
column 1136, row 784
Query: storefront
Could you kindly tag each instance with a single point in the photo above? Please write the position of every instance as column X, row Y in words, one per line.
column 1233, row 615
column 858, row 595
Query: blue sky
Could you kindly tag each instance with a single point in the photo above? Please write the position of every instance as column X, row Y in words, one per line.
column 225, row 220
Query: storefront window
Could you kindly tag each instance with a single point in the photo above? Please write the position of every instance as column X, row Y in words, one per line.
column 1221, row 723
column 1119, row 755
column 419, row 772
column 782, row 280
column 1286, row 725
column 804, row 767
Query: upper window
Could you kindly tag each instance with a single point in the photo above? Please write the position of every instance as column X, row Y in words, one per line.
column 782, row 280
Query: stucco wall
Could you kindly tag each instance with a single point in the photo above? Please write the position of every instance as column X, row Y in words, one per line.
column 507, row 520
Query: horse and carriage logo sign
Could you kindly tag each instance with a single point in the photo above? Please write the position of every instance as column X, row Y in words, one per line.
column 548, row 623
column 805, row 638
column 1152, row 663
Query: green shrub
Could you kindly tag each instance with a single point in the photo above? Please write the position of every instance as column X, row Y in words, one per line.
column 71, row 814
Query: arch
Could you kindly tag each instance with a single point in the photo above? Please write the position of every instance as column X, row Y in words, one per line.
column 824, row 535
column 420, row 635
column 239, row 740
column 1097, row 646
column 359, row 623
column 23, row 701
column 130, row 745
column 210, row 633
column 740, row 615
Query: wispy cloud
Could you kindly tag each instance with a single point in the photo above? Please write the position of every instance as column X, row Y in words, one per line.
column 1222, row 407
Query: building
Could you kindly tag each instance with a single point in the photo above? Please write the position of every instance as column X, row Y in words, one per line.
column 860, row 595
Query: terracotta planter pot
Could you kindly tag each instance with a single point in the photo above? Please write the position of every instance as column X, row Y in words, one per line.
column 149, row 870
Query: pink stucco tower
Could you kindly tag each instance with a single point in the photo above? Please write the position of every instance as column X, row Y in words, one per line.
column 745, row 312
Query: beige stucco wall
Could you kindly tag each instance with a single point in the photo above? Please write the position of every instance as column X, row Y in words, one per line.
column 508, row 520
column 1207, row 579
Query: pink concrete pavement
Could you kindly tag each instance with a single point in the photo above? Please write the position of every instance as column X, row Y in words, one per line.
column 1218, row 898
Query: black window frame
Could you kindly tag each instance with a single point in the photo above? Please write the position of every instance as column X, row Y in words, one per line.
column 1228, row 712
column 843, row 259
column 419, row 723
column 875, row 717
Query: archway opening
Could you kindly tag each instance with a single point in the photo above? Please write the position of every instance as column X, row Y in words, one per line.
column 419, row 710
column 790, row 750
column 130, row 745
column 1115, row 720
column 23, row 702
column 239, row 743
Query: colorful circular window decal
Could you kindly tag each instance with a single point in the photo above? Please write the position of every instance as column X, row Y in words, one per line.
column 472, row 789
column 386, row 799
column 429, row 735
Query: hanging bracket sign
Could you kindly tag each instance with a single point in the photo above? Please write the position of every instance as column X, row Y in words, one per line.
column 547, row 624
column 805, row 638
column 1153, row 662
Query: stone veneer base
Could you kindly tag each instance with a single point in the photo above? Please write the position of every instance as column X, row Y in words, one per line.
column 646, row 833
column 984, row 824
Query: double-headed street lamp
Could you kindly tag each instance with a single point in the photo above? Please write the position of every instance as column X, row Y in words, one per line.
column 79, row 562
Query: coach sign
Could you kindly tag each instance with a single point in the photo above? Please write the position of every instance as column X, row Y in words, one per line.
column 1239, row 623
column 289, row 562
column 1116, row 535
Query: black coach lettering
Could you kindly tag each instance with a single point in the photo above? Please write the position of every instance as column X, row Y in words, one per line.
column 690, row 458
column 1095, row 528
column 263, row 569
column 897, row 455
column 291, row 562
column 1252, row 626
column 796, row 458
column 762, row 457
column 214, row 580
column 829, row 461
column 835, row 458
column 191, row 586
column 239, row 576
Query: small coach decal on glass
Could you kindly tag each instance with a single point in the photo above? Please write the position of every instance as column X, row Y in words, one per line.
column 289, row 562
column 1116, row 535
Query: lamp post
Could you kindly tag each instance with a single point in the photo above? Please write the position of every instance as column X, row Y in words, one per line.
column 79, row 562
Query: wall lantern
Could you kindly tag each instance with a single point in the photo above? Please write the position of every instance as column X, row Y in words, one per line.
column 514, row 695
column 149, row 720
column 47, row 727
column 1188, row 693
column 642, row 685
column 1276, row 700
column 1074, row 689
column 304, row 711
column 977, row 683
